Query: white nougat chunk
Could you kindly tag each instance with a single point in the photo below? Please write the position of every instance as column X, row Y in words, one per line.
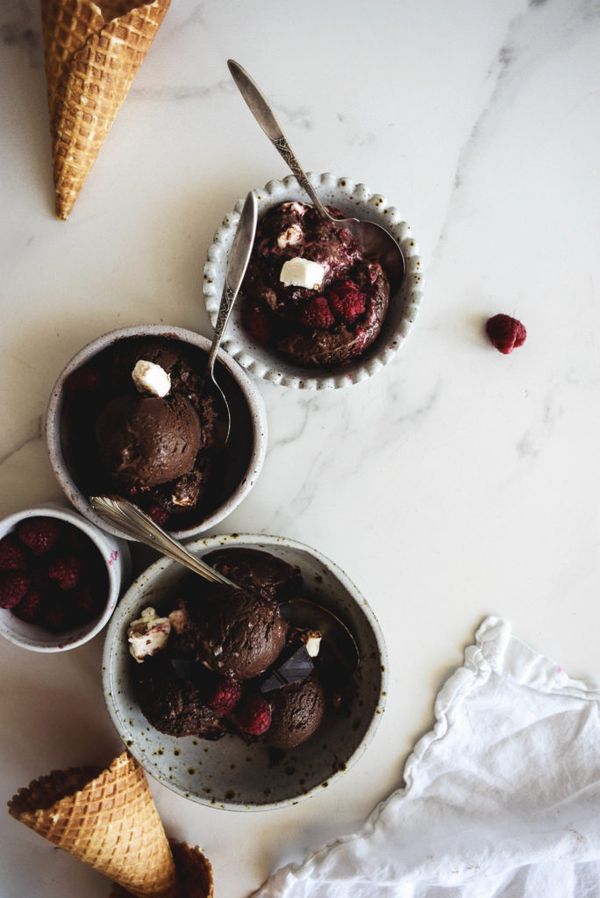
column 300, row 272
column 151, row 378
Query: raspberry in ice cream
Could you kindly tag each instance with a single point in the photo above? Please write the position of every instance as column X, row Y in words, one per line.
column 216, row 659
column 310, row 292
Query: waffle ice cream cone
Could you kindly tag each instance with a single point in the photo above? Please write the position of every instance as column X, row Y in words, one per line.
column 93, row 51
column 194, row 874
column 108, row 820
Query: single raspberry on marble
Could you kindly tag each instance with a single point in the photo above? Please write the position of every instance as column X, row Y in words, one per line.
column 12, row 555
column 505, row 333
column 39, row 534
column 254, row 716
column 13, row 588
column 347, row 301
column 30, row 608
column 224, row 697
column 317, row 314
column 66, row 572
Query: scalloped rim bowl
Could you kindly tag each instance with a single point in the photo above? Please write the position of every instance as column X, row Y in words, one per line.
column 231, row 774
column 353, row 199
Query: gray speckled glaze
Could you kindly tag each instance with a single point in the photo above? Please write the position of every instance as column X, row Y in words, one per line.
column 250, row 394
column 228, row 773
column 354, row 200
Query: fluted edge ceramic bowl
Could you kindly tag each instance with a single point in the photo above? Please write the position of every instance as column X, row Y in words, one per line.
column 116, row 557
column 230, row 774
column 354, row 200
column 250, row 395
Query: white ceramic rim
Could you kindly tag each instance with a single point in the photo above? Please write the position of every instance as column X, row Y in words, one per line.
column 144, row 582
column 117, row 573
column 410, row 291
column 253, row 399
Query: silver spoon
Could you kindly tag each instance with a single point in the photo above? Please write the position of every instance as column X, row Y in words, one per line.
column 237, row 263
column 302, row 613
column 374, row 240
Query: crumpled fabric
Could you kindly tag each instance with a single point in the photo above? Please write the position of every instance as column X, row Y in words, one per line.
column 501, row 798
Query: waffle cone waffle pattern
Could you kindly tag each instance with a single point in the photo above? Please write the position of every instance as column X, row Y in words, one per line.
column 93, row 51
column 108, row 820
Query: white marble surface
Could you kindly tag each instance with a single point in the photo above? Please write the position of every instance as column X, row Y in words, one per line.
column 456, row 483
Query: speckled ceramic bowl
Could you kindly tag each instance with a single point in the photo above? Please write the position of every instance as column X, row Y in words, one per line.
column 114, row 552
column 228, row 773
column 241, row 391
column 354, row 200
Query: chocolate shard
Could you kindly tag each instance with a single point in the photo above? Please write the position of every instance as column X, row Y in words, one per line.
column 297, row 668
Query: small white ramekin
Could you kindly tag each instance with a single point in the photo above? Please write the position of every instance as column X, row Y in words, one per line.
column 354, row 200
column 251, row 397
column 116, row 557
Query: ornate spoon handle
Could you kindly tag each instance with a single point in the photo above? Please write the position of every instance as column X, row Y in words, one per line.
column 132, row 520
column 263, row 114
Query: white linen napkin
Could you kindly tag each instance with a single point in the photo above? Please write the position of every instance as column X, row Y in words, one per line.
column 501, row 798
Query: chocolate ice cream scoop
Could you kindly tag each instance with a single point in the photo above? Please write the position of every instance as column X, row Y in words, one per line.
column 144, row 441
column 173, row 705
column 242, row 635
column 297, row 713
column 257, row 571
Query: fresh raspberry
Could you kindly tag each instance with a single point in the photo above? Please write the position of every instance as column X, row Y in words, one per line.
column 66, row 572
column 258, row 324
column 347, row 301
column 158, row 514
column 12, row 556
column 224, row 697
column 13, row 588
column 30, row 608
column 85, row 605
column 317, row 314
column 55, row 615
column 254, row 716
column 39, row 534
column 505, row 333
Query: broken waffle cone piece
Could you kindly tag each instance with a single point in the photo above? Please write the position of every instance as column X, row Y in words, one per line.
column 93, row 51
column 107, row 819
column 194, row 874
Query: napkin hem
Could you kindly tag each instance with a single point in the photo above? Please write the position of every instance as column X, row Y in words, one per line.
column 489, row 654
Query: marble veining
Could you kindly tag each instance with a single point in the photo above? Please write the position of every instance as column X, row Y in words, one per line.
column 457, row 482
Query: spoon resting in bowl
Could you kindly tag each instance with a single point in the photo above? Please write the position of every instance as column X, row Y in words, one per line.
column 373, row 239
column 299, row 612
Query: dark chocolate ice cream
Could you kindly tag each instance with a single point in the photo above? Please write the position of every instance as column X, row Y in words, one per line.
column 257, row 571
column 244, row 633
column 173, row 705
column 145, row 441
column 143, row 420
column 297, row 713
column 323, row 324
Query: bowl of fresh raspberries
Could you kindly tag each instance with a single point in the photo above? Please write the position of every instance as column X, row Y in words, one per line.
column 60, row 578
